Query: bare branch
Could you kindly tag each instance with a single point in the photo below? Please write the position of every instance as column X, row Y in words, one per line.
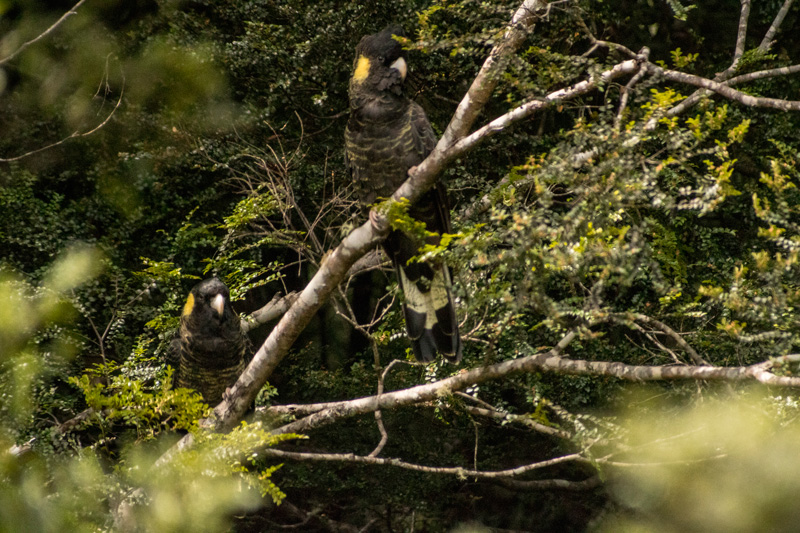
column 499, row 124
column 524, row 420
column 625, row 94
column 766, row 42
column 685, row 346
column 761, row 74
column 724, row 76
column 523, row 111
column 699, row 94
column 484, row 83
column 453, row 471
column 723, row 90
column 333, row 411
column 528, row 108
column 275, row 308
column 42, row 35
column 72, row 135
column 325, row 413
column 741, row 37
column 597, row 43
column 378, row 415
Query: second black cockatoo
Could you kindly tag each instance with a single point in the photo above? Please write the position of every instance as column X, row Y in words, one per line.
column 387, row 134
column 212, row 344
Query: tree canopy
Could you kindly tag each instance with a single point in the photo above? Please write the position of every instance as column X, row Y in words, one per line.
column 625, row 258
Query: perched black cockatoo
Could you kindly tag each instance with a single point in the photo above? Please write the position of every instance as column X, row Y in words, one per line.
column 386, row 135
column 212, row 344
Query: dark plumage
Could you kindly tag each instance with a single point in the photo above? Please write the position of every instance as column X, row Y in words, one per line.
column 212, row 343
column 386, row 135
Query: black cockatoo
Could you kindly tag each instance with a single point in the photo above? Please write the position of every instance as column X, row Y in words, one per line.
column 212, row 345
column 386, row 135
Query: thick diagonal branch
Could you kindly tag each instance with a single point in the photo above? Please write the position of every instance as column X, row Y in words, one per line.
column 336, row 264
column 482, row 87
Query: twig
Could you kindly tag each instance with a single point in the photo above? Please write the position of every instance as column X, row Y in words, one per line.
column 625, row 93
column 378, row 416
column 519, row 419
column 698, row 95
column 698, row 360
column 418, row 394
column 275, row 308
column 761, row 74
column 73, row 135
column 550, row 361
column 45, row 33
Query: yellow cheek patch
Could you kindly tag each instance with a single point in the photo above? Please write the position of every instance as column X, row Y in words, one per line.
column 189, row 305
column 362, row 69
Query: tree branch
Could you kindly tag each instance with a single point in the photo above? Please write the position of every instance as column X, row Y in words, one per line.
column 333, row 411
column 523, row 111
column 698, row 360
column 761, row 74
column 484, row 83
column 698, row 95
column 723, row 90
column 519, row 419
column 73, row 135
column 766, row 42
column 325, row 413
column 453, row 471
column 275, row 308
column 741, row 37
column 42, row 35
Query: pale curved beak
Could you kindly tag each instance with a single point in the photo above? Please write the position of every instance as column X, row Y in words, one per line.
column 400, row 66
column 218, row 304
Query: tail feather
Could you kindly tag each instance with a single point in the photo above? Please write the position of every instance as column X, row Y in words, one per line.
column 430, row 315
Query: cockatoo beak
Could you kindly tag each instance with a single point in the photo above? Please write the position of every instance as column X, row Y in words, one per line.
column 400, row 66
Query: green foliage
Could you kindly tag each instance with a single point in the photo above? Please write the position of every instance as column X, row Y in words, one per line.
column 76, row 491
column 128, row 400
column 34, row 340
column 198, row 491
column 237, row 452
column 703, row 466
column 680, row 11
column 399, row 218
